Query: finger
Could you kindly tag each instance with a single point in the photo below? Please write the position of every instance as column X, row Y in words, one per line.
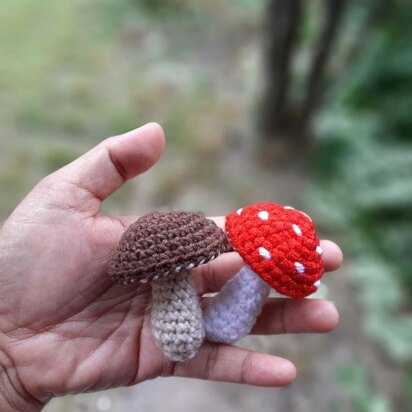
column 231, row 364
column 332, row 255
column 284, row 315
column 296, row 316
column 102, row 170
column 212, row 277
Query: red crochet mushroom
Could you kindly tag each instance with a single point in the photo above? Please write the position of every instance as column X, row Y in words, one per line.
column 280, row 245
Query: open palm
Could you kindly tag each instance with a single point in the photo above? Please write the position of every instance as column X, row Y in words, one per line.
column 66, row 328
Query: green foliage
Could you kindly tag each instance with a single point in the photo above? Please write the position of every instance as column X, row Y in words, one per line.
column 15, row 180
column 354, row 378
column 129, row 12
column 57, row 156
column 407, row 386
column 363, row 171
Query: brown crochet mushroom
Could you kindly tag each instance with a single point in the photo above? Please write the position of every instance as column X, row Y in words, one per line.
column 162, row 248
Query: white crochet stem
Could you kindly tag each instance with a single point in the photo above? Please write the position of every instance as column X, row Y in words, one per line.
column 177, row 317
column 233, row 312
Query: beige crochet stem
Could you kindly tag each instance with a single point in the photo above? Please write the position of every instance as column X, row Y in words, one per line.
column 177, row 317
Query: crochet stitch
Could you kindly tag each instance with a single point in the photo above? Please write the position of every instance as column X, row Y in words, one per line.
column 158, row 244
column 235, row 309
column 177, row 317
column 161, row 248
column 278, row 244
column 281, row 247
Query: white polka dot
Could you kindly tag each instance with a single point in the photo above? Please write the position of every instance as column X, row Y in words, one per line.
column 319, row 250
column 178, row 269
column 299, row 267
column 201, row 262
column 264, row 215
column 190, row 266
column 317, row 283
column 264, row 253
column 297, row 230
column 239, row 211
column 288, row 207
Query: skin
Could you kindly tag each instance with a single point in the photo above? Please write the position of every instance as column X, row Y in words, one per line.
column 66, row 328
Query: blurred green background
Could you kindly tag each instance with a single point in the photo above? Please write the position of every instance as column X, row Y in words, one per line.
column 302, row 102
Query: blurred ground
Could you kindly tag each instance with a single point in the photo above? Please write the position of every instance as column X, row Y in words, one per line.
column 76, row 72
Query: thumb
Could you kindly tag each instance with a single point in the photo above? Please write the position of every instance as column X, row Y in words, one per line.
column 106, row 167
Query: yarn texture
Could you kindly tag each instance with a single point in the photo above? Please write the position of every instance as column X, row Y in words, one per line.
column 234, row 310
column 161, row 248
column 281, row 249
column 159, row 244
column 176, row 317
column 280, row 245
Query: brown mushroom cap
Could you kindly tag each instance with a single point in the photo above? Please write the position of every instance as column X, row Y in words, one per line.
column 159, row 244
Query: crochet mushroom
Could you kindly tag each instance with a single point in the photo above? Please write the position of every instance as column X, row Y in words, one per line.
column 161, row 248
column 281, row 250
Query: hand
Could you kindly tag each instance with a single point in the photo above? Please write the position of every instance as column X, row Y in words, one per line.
column 66, row 328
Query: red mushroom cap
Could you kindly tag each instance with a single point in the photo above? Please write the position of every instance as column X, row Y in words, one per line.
column 280, row 244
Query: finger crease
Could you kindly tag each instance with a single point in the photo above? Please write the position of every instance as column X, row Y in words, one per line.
column 283, row 322
column 211, row 362
column 243, row 372
column 118, row 166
